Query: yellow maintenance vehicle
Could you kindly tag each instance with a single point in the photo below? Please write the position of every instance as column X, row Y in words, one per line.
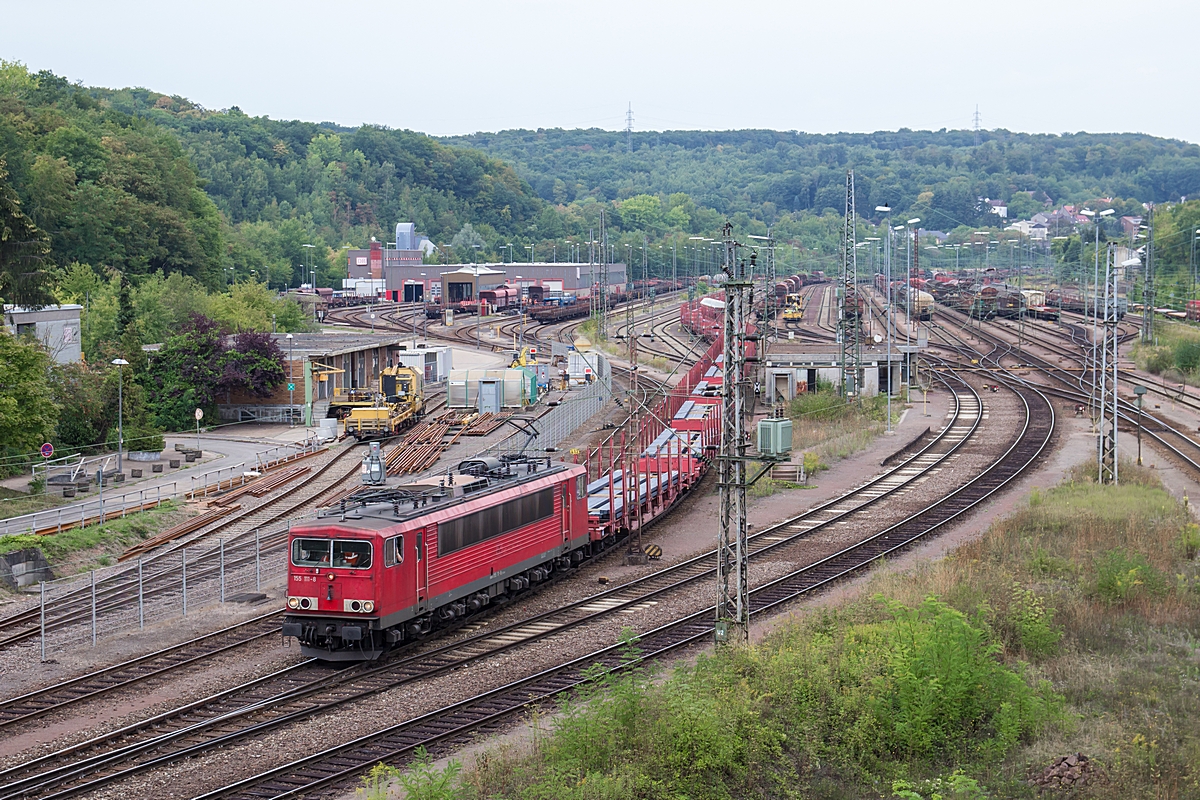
column 525, row 357
column 793, row 309
column 398, row 404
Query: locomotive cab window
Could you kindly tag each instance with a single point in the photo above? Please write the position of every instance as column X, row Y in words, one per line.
column 393, row 551
column 580, row 486
column 351, row 554
column 346, row 553
column 310, row 552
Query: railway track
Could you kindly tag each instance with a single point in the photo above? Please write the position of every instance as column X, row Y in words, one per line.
column 1176, row 443
column 488, row 710
column 41, row 702
column 120, row 588
column 306, row 689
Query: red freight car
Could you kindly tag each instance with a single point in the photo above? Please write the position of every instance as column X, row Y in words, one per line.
column 400, row 561
column 1193, row 309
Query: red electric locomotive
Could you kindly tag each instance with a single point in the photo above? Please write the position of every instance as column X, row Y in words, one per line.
column 396, row 562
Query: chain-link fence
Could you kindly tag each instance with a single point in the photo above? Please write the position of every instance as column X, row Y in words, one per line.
column 85, row 609
column 551, row 428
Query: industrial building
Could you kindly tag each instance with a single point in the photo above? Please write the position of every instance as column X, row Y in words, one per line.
column 318, row 364
column 56, row 327
column 408, row 250
column 417, row 282
column 407, row 279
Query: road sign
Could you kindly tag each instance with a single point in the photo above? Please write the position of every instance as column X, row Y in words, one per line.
column 291, row 387
column 47, row 450
column 199, row 414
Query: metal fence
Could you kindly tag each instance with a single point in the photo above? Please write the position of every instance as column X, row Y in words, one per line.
column 187, row 581
column 107, row 505
column 176, row 584
column 576, row 408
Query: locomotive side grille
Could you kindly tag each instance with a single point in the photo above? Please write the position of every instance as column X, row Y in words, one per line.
column 455, row 534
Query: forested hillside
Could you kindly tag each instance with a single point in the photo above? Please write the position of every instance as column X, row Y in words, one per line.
column 281, row 184
column 107, row 189
column 767, row 174
column 140, row 182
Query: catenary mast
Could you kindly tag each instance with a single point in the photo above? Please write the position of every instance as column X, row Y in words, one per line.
column 849, row 325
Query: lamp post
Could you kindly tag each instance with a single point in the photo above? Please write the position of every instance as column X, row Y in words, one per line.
column 291, row 383
column 521, row 308
column 311, row 265
column 478, row 302
column 120, row 362
column 888, row 308
column 908, row 296
column 530, row 252
column 424, row 316
column 1195, row 236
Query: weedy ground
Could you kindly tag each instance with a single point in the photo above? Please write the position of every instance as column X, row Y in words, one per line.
column 1070, row 626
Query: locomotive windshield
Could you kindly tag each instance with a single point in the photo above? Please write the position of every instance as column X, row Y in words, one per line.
column 347, row 553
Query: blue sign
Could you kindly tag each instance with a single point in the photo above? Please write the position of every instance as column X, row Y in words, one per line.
column 291, row 387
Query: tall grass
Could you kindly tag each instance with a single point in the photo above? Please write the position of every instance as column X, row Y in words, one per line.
column 1175, row 353
column 825, row 424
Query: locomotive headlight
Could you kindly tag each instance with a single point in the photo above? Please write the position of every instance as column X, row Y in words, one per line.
column 369, row 606
column 293, row 602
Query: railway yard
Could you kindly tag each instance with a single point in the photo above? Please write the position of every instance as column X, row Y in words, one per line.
column 222, row 706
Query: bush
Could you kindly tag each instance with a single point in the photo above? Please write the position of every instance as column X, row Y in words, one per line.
column 942, row 691
column 1027, row 625
column 1189, row 540
column 1121, row 577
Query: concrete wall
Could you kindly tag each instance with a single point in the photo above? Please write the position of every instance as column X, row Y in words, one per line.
column 22, row 568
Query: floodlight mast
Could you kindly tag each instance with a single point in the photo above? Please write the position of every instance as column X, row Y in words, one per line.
column 1148, row 282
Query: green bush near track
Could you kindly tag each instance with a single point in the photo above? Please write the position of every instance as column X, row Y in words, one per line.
column 1175, row 353
column 64, row 550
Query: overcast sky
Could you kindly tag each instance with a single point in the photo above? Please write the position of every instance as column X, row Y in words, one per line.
column 457, row 66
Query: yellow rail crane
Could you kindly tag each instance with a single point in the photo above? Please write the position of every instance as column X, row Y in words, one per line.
column 398, row 404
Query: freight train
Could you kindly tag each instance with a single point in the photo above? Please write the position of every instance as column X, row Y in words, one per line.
column 392, row 563
column 705, row 317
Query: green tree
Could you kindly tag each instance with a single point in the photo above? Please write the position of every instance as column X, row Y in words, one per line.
column 27, row 414
column 23, row 251
column 466, row 241
column 185, row 375
column 140, row 432
column 82, row 423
